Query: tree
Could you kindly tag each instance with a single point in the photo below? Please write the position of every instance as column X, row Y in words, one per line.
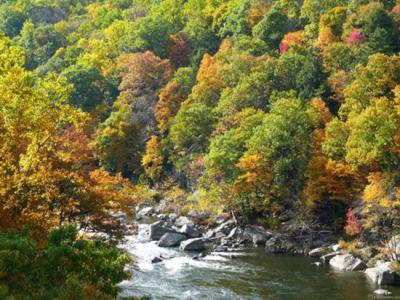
column 118, row 141
column 281, row 148
column 312, row 10
column 151, row 32
column 11, row 20
column 152, row 160
column 121, row 139
column 48, row 174
column 352, row 228
column 193, row 126
column 371, row 139
column 67, row 267
column 90, row 87
column 171, row 97
column 251, row 91
column 179, row 49
column 226, row 148
column 299, row 72
column 290, row 39
column 372, row 23
column 334, row 20
column 380, row 75
column 236, row 22
column 40, row 43
column 272, row 28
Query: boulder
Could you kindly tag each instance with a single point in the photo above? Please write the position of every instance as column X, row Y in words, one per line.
column 196, row 244
column 190, row 231
column 382, row 292
column 158, row 229
column 219, row 235
column 146, row 211
column 225, row 227
column 181, row 221
column 328, row 256
column 394, row 247
column 221, row 219
column 233, row 233
column 161, row 216
column 172, row 217
column 274, row 245
column 209, row 234
column 156, row 260
column 259, row 239
column 382, row 274
column 347, row 262
column 335, row 247
column 257, row 235
column 171, row 239
column 198, row 215
column 118, row 214
column 317, row 252
column 201, row 255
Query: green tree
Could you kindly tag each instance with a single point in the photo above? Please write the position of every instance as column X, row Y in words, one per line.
column 90, row 88
column 272, row 28
column 67, row 267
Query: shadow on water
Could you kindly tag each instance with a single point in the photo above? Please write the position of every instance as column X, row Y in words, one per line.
column 253, row 276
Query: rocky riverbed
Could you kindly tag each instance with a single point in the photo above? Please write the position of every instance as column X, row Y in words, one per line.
column 173, row 241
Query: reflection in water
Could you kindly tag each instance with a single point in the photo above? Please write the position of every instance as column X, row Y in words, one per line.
column 253, row 276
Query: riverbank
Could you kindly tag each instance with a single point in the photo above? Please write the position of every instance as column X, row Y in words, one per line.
column 225, row 237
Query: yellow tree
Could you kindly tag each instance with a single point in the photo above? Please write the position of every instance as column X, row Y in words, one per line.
column 152, row 160
column 47, row 170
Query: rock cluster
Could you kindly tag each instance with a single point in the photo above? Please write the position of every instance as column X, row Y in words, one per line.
column 227, row 239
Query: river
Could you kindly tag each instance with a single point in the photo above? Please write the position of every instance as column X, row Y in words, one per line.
column 253, row 275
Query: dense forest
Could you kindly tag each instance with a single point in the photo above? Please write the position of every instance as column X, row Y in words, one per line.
column 263, row 108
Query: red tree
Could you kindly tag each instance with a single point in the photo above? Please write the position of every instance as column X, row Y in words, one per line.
column 352, row 228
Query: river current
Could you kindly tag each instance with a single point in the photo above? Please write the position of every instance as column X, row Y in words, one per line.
column 252, row 275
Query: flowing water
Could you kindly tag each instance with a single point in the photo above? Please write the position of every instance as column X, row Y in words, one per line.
column 254, row 275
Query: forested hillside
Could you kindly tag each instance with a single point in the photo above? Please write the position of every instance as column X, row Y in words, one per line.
column 263, row 108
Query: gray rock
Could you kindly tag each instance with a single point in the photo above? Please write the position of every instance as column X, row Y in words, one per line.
column 358, row 265
column 226, row 242
column 259, row 239
column 118, row 214
column 328, row 256
column 221, row 219
column 317, row 252
column 274, row 246
column 158, row 229
column 347, row 262
column 256, row 235
column 394, row 247
column 156, row 260
column 146, row 211
column 183, row 221
column 225, row 227
column 198, row 215
column 171, row 239
column 382, row 292
column 382, row 274
column 172, row 217
column 209, row 234
column 219, row 235
column 335, row 247
column 190, row 231
column 233, row 233
column 161, row 216
column 196, row 244
column 379, row 262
